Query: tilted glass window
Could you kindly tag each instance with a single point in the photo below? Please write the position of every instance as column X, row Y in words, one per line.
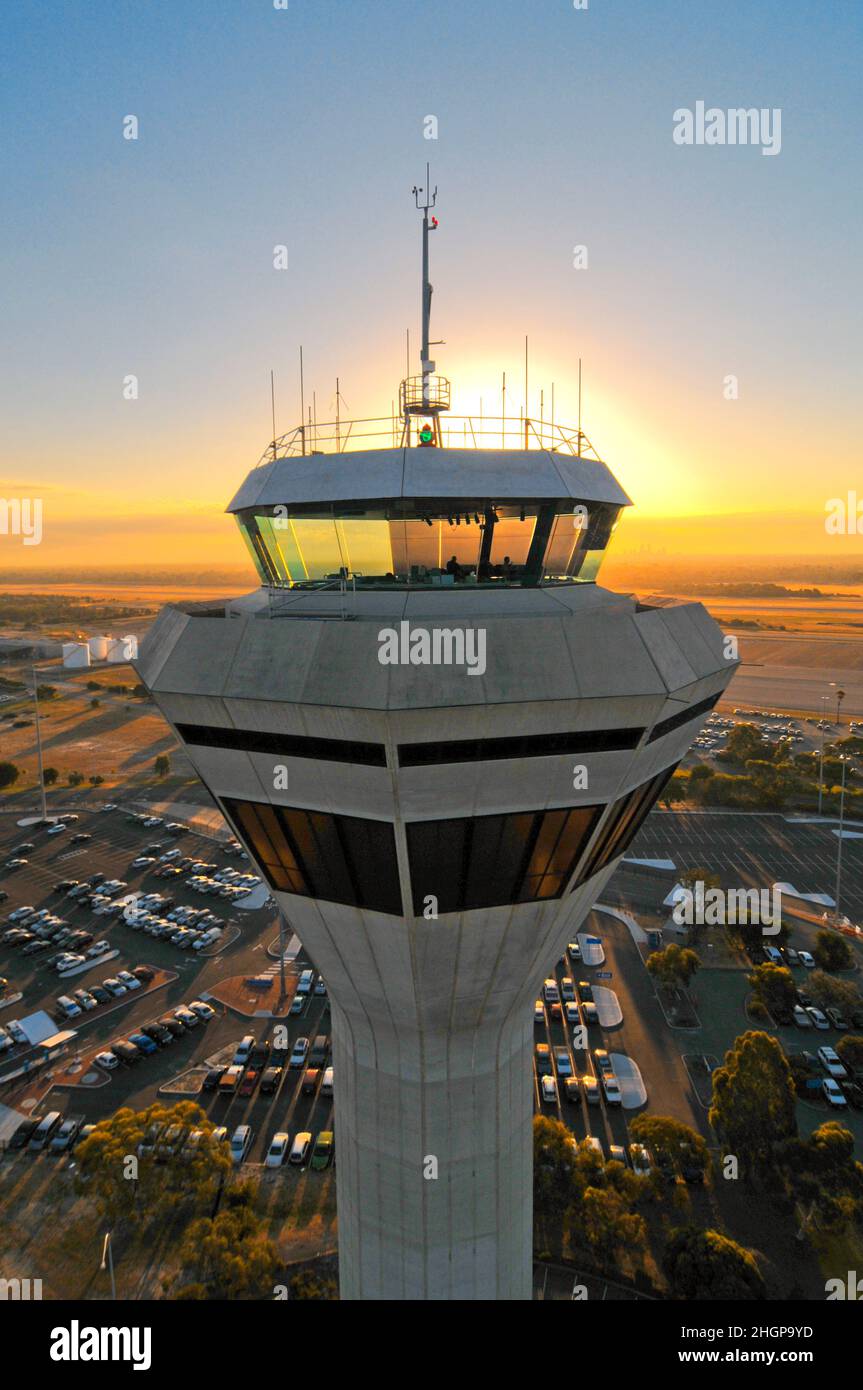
column 624, row 821
column 339, row 859
column 429, row 543
column 492, row 861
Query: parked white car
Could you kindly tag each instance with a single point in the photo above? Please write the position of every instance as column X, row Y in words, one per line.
column 278, row 1150
column 832, row 1063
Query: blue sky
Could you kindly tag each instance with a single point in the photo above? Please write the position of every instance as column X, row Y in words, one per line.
column 305, row 127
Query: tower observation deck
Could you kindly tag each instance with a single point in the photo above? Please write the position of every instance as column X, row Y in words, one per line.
column 470, row 731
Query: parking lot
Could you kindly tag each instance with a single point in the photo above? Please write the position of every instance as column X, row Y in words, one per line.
column 180, row 977
column 744, row 849
column 641, row 1038
column 756, row 850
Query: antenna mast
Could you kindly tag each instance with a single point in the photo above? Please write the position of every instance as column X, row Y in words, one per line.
column 427, row 394
column 425, row 361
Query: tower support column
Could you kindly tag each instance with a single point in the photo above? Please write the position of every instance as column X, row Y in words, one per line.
column 434, row 1159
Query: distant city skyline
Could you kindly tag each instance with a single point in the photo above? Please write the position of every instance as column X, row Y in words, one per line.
column 258, row 128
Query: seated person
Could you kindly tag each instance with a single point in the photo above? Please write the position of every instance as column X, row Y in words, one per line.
column 454, row 568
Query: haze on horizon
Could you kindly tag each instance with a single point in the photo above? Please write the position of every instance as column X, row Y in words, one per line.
column 305, row 128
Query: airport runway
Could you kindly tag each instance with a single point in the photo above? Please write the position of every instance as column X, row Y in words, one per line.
column 794, row 688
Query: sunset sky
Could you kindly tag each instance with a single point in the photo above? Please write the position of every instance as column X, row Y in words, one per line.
column 305, row 127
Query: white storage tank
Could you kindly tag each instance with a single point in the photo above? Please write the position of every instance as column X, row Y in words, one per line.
column 98, row 648
column 122, row 648
column 76, row 654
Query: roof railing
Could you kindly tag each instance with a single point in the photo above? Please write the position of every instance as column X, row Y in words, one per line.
column 452, row 432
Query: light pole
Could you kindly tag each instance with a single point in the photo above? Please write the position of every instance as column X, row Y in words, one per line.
column 39, row 745
column 843, row 760
column 824, row 699
column 108, row 1255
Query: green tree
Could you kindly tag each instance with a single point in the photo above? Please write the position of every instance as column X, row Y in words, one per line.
column 553, row 1166
column 773, row 986
column 700, row 775
column 307, row 1284
column 832, row 952
column 830, row 993
column 673, row 965
column 601, row 1221
column 9, row 774
column 705, row 1265
column 96, row 780
column 230, row 1254
column 850, row 1049
column 46, row 692
column 662, row 1134
column 753, row 1103
column 148, row 1191
column 75, row 779
column 94, row 703
column 162, row 765
column 50, row 775
column 743, row 742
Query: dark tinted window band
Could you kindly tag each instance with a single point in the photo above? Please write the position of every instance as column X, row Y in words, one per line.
column 493, row 861
column 625, row 819
column 474, row 750
column 332, row 750
column 676, row 721
column 338, row 859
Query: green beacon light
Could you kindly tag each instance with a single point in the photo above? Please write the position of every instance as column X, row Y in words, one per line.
column 426, row 434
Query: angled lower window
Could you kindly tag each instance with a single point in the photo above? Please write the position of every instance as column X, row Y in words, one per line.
column 624, row 821
column 339, row 859
column 491, row 861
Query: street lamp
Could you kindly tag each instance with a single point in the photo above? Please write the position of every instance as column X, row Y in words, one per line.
column 824, row 699
column 39, row 745
column 843, row 759
column 108, row 1255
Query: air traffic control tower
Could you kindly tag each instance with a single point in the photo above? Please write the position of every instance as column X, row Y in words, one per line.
column 436, row 734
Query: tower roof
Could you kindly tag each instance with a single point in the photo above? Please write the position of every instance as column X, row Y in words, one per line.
column 373, row 474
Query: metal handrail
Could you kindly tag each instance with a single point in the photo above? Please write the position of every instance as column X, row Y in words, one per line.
column 486, row 431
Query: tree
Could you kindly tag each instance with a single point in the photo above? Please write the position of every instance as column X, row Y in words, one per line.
column 553, row 1166
column 662, row 1134
column 823, row 1175
column 753, row 1102
column 850, row 1049
column 743, row 743
column 46, row 692
column 307, row 1284
column 96, row 781
column 9, row 774
column 832, row 952
column 158, row 1189
column 94, row 703
column 705, row 1265
column 162, row 765
column 773, row 986
column 599, row 1220
column 830, row 993
column 673, row 965
column 75, row 779
column 49, row 776
column 700, row 775
column 230, row 1253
